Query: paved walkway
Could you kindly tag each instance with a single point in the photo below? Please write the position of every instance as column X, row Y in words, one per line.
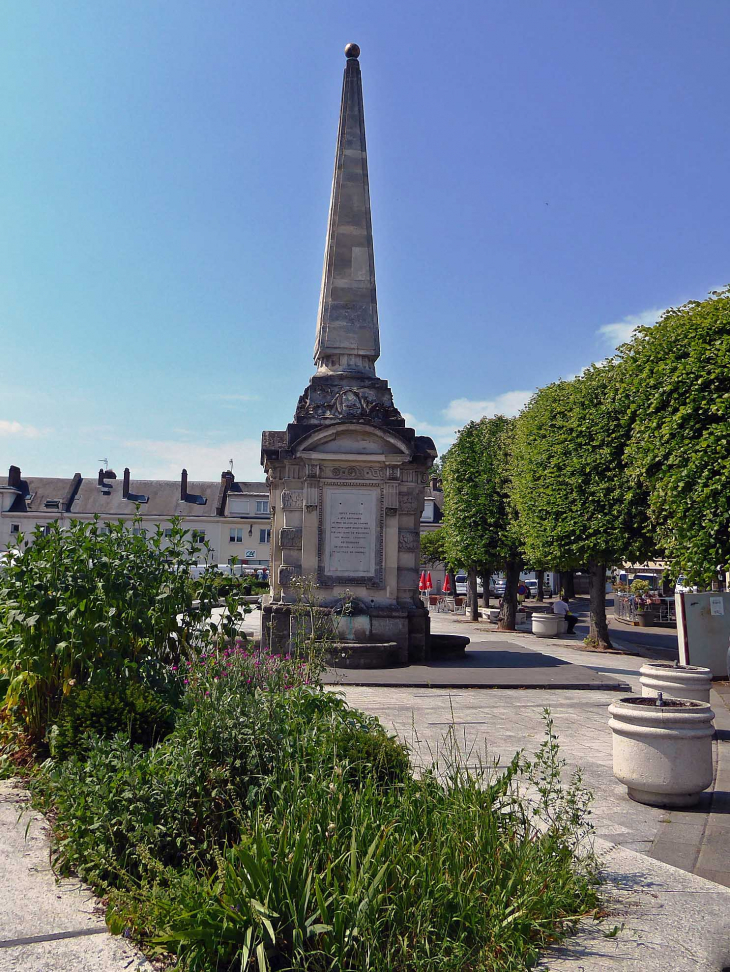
column 499, row 723
column 488, row 663
column 48, row 925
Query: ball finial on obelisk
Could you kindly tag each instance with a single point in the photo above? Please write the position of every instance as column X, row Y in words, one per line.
column 352, row 50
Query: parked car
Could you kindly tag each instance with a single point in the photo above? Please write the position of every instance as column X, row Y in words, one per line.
column 500, row 586
column 682, row 587
column 532, row 586
column 462, row 587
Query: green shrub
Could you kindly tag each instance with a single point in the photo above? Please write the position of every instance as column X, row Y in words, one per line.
column 369, row 753
column 106, row 709
column 639, row 587
column 286, row 828
column 92, row 601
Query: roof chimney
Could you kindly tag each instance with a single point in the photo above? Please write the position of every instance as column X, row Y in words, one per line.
column 100, row 481
column 184, row 485
column 14, row 477
column 73, row 488
column 434, row 483
column 227, row 480
column 125, row 484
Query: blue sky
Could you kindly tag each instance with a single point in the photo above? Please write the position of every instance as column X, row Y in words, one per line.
column 543, row 176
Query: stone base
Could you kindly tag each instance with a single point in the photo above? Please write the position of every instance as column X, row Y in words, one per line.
column 448, row 646
column 346, row 654
column 407, row 626
column 653, row 799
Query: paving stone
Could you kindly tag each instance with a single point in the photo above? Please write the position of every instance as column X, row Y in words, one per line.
column 497, row 664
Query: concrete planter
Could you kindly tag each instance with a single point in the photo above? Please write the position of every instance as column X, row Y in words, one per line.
column 645, row 619
column 521, row 617
column 545, row 625
column 676, row 682
column 662, row 754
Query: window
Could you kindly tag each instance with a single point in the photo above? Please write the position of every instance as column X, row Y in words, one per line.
column 15, row 528
column 198, row 536
column 262, row 506
column 264, row 536
column 427, row 514
column 45, row 530
column 168, row 533
column 139, row 531
column 236, row 535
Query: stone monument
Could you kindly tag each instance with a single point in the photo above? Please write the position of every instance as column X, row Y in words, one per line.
column 347, row 477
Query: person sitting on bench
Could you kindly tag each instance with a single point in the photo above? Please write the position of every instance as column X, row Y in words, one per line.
column 562, row 608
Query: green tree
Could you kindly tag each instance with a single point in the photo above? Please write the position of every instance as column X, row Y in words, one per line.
column 478, row 514
column 677, row 381
column 434, row 551
column 577, row 504
column 433, row 547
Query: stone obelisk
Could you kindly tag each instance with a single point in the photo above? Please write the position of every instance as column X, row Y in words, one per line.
column 347, row 477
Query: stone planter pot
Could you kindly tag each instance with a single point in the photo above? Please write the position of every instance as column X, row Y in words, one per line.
column 676, row 681
column 521, row 617
column 644, row 619
column 545, row 625
column 662, row 754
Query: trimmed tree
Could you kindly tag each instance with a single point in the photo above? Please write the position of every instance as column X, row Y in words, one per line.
column 481, row 534
column 577, row 504
column 677, row 383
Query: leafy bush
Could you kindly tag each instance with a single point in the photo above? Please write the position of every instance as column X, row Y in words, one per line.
column 639, row 587
column 369, row 753
column 226, row 584
column 283, row 827
column 107, row 709
column 97, row 600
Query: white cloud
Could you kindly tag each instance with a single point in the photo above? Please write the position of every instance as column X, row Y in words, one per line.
column 9, row 427
column 163, row 459
column 620, row 331
column 459, row 411
column 466, row 410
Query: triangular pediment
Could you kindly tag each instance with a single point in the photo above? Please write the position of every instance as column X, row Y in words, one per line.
column 352, row 440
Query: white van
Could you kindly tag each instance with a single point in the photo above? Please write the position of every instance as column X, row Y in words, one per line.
column 462, row 587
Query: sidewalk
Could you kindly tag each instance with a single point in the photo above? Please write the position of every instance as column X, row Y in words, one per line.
column 48, row 925
column 696, row 840
column 667, row 871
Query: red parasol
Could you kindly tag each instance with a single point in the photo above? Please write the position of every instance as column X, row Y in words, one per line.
column 446, row 589
column 422, row 581
column 429, row 582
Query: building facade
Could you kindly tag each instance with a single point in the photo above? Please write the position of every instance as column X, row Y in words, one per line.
column 231, row 517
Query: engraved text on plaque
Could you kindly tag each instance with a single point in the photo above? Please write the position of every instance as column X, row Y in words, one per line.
column 350, row 527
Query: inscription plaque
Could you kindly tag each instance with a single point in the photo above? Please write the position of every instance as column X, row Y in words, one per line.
column 351, row 524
